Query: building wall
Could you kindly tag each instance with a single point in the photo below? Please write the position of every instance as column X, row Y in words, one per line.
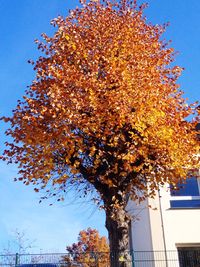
column 140, row 226
column 181, row 226
column 161, row 228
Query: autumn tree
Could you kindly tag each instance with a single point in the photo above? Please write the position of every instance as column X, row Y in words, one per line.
column 90, row 250
column 104, row 113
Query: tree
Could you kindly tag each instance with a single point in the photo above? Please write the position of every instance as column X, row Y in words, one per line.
column 19, row 244
column 91, row 250
column 104, row 113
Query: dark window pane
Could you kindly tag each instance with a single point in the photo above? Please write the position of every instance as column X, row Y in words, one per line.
column 190, row 188
column 189, row 257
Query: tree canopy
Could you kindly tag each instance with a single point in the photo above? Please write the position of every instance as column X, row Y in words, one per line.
column 90, row 250
column 105, row 106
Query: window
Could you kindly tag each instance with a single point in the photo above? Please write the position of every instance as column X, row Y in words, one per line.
column 189, row 256
column 186, row 195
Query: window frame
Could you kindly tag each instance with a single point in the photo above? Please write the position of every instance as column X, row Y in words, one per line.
column 178, row 199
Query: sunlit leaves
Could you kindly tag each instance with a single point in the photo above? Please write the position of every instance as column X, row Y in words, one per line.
column 90, row 250
column 104, row 108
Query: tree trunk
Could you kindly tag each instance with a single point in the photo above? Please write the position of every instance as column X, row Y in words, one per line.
column 117, row 224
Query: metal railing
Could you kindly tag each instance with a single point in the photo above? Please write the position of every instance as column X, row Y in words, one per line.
column 181, row 258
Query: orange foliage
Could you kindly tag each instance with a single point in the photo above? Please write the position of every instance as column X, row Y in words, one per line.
column 105, row 111
column 91, row 250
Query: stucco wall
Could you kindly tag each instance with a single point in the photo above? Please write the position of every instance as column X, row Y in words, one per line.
column 161, row 228
column 181, row 226
column 140, row 226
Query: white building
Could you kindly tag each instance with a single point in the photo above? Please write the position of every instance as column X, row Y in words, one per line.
column 168, row 232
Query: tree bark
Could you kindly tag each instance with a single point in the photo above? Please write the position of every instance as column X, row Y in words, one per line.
column 117, row 224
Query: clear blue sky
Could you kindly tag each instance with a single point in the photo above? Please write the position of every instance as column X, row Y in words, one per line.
column 21, row 22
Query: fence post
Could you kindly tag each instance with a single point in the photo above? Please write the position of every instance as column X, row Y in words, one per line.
column 16, row 259
column 132, row 258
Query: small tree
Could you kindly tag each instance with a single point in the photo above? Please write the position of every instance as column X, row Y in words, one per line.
column 104, row 113
column 90, row 250
column 19, row 244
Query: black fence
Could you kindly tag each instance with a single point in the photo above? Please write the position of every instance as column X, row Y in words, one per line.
column 179, row 258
